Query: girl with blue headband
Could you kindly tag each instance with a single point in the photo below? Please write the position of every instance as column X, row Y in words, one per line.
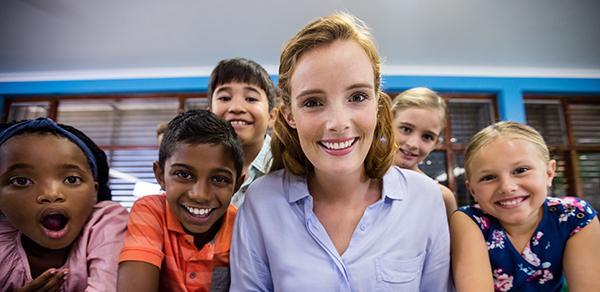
column 58, row 228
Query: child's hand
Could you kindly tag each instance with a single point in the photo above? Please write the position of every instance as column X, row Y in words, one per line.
column 50, row 280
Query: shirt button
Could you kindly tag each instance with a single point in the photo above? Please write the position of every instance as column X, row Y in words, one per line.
column 192, row 275
column 363, row 227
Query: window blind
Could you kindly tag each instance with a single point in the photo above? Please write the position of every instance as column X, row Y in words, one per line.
column 547, row 118
column 28, row 110
column 467, row 117
column 126, row 129
column 589, row 171
column 585, row 122
column 560, row 183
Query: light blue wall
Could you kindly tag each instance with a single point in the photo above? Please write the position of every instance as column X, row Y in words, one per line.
column 509, row 91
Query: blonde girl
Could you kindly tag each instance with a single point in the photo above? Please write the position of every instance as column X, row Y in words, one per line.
column 517, row 238
column 419, row 119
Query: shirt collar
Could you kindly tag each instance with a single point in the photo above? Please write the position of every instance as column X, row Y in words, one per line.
column 173, row 223
column 393, row 185
column 262, row 161
column 296, row 186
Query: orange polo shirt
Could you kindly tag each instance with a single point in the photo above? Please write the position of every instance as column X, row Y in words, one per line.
column 155, row 236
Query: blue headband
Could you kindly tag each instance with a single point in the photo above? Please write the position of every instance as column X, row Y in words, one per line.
column 48, row 124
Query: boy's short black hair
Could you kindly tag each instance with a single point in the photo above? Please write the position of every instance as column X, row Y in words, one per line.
column 201, row 127
column 102, row 168
column 243, row 71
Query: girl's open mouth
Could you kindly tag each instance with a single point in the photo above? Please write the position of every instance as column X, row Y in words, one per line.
column 55, row 224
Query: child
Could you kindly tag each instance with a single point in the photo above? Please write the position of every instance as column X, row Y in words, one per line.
column 419, row 118
column 180, row 241
column 241, row 92
column 58, row 228
column 517, row 238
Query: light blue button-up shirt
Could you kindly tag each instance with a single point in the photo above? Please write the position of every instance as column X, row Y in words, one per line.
column 401, row 243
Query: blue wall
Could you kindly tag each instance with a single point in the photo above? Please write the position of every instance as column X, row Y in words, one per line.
column 509, row 91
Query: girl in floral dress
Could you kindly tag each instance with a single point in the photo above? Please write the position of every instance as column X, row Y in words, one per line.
column 516, row 238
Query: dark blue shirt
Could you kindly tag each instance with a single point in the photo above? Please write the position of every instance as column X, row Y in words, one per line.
column 539, row 267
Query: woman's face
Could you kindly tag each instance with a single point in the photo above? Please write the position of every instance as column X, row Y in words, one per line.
column 333, row 107
column 47, row 189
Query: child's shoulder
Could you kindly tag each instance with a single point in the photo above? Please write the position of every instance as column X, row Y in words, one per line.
column 483, row 220
column 157, row 202
column 8, row 233
column 569, row 212
column 108, row 210
column 569, row 204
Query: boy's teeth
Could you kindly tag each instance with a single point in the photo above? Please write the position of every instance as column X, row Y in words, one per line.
column 512, row 202
column 198, row 211
column 337, row 145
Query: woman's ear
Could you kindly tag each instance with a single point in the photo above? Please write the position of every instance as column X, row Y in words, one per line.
column 288, row 116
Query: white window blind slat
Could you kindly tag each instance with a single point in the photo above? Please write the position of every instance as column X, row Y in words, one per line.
column 585, row 123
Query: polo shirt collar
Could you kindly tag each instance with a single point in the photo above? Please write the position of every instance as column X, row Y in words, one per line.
column 173, row 223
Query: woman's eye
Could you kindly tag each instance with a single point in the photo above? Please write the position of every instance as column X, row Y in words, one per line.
column 20, row 181
column 311, row 103
column 73, row 180
column 358, row 97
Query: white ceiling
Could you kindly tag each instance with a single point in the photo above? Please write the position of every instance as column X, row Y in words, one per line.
column 48, row 39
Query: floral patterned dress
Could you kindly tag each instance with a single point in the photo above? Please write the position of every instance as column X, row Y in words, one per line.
column 539, row 267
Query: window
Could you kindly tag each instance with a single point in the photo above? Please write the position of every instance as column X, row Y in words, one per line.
column 466, row 117
column 571, row 127
column 28, row 110
column 123, row 126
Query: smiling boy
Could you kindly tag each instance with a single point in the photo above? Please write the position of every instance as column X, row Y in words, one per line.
column 241, row 92
column 180, row 241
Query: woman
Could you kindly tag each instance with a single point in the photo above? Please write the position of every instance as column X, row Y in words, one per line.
column 333, row 215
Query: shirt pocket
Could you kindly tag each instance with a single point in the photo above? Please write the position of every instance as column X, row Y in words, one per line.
column 399, row 273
